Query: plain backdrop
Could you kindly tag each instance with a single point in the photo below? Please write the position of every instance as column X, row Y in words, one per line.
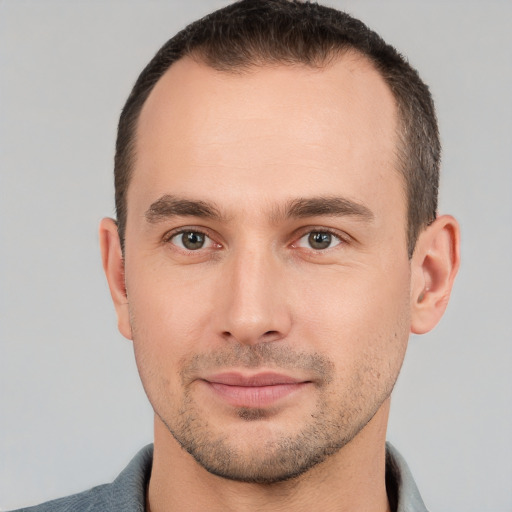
column 72, row 410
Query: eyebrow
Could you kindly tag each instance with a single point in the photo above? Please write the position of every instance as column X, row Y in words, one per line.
column 330, row 206
column 172, row 206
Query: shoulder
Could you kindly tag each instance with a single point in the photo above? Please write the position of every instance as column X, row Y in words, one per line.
column 126, row 493
column 94, row 499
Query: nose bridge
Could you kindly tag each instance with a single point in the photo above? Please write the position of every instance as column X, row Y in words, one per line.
column 255, row 310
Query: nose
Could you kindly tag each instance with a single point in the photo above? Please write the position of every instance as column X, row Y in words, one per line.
column 253, row 304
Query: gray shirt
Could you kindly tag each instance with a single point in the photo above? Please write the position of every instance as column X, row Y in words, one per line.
column 127, row 493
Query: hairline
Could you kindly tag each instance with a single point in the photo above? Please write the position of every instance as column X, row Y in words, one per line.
column 199, row 56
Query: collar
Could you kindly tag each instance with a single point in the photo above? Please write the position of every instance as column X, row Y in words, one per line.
column 403, row 495
column 130, row 486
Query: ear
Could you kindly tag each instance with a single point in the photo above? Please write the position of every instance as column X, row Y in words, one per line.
column 435, row 263
column 113, row 265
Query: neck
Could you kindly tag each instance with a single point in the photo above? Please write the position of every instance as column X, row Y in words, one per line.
column 351, row 479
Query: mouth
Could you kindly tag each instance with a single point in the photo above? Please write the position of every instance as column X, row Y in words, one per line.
column 254, row 391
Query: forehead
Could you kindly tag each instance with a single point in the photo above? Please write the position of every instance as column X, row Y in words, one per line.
column 267, row 129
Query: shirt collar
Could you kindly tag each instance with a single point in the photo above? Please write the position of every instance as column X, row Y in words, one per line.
column 130, row 486
column 403, row 495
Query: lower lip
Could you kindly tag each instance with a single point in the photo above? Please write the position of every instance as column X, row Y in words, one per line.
column 254, row 396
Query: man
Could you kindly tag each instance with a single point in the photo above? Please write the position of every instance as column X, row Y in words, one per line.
column 276, row 242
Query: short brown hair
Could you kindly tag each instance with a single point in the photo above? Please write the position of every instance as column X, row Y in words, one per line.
column 249, row 33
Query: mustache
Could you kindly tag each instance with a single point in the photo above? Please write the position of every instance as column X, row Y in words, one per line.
column 267, row 355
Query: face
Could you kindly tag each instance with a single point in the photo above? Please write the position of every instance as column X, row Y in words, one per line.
column 266, row 268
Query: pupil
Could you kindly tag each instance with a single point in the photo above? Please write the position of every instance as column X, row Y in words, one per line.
column 192, row 240
column 319, row 240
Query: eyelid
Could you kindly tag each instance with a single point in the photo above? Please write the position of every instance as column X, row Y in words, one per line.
column 169, row 235
column 343, row 238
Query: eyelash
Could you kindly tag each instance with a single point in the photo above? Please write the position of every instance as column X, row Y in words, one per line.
column 167, row 238
column 342, row 239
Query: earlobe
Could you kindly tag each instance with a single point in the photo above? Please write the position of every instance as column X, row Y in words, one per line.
column 113, row 265
column 435, row 263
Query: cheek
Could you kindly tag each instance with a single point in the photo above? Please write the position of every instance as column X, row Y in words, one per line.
column 364, row 332
column 168, row 318
column 164, row 334
column 358, row 315
column 169, row 303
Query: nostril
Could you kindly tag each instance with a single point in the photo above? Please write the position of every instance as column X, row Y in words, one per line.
column 271, row 336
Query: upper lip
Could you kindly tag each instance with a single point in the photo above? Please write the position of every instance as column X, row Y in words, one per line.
column 259, row 379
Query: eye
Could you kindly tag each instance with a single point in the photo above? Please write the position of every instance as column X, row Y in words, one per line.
column 319, row 240
column 191, row 240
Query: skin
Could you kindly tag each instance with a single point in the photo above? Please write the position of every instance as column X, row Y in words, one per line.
column 246, row 160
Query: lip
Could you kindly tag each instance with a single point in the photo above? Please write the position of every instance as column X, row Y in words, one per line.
column 255, row 391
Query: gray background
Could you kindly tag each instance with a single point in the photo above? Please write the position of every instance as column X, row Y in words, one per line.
column 72, row 411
